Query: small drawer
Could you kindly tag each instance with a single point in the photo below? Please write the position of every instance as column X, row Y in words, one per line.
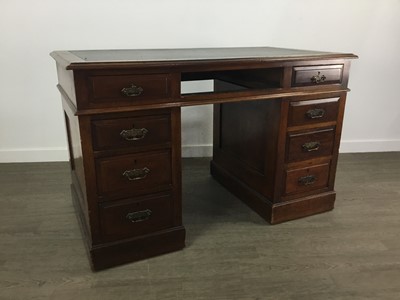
column 129, row 88
column 317, row 75
column 134, row 217
column 308, row 145
column 133, row 174
column 313, row 111
column 307, row 179
column 131, row 132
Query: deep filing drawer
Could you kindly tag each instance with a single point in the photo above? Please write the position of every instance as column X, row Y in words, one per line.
column 313, row 111
column 131, row 132
column 129, row 88
column 317, row 75
column 135, row 217
column 134, row 174
column 311, row 144
column 307, row 179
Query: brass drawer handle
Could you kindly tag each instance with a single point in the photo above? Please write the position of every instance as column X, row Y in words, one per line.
column 139, row 216
column 311, row 146
column 132, row 91
column 315, row 113
column 136, row 174
column 307, row 180
column 318, row 78
column 133, row 134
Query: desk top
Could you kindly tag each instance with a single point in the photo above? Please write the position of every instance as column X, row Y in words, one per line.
column 80, row 59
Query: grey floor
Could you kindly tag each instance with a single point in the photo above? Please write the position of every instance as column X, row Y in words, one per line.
column 352, row 252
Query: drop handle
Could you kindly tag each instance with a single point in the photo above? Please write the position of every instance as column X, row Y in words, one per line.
column 132, row 90
column 139, row 216
column 136, row 174
column 134, row 134
column 315, row 113
column 311, row 146
column 307, row 180
column 318, row 78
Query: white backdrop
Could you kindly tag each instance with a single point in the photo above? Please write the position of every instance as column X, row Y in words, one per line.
column 31, row 119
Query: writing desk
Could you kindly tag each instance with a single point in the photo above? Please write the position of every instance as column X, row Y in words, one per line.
column 277, row 124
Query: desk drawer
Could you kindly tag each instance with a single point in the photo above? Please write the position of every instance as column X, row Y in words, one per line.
column 134, row 174
column 307, row 178
column 317, row 75
column 308, row 145
column 131, row 132
column 313, row 111
column 134, row 217
column 129, row 88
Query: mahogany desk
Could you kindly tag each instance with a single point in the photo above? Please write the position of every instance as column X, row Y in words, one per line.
column 277, row 123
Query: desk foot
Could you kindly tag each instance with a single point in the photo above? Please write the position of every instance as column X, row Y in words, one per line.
column 274, row 213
